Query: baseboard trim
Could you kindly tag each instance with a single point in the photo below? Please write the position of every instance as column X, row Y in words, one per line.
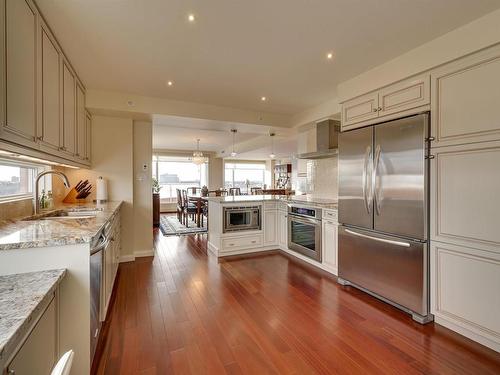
column 144, row 253
column 458, row 328
column 127, row 258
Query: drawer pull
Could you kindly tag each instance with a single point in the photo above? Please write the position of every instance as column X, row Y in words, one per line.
column 254, row 241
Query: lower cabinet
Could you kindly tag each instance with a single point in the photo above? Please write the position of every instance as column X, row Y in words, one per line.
column 111, row 262
column 283, row 229
column 39, row 352
column 270, row 227
column 465, row 291
column 329, row 245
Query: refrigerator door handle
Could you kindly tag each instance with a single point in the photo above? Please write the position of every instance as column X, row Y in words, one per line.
column 366, row 180
column 376, row 190
column 392, row 242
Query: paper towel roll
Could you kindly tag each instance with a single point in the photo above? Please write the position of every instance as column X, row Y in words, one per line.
column 101, row 189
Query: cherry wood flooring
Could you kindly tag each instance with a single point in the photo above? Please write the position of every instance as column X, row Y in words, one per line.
column 183, row 312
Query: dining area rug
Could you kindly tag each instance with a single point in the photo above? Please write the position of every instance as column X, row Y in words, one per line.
column 170, row 226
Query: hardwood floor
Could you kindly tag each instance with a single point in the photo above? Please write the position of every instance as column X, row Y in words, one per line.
column 183, row 312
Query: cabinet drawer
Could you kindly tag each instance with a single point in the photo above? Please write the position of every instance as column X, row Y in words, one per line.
column 270, row 205
column 242, row 242
column 330, row 215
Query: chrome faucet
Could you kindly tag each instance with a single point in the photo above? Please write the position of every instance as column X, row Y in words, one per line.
column 40, row 175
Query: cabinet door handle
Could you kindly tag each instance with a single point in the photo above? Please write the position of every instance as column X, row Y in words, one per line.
column 254, row 241
column 375, row 109
column 40, row 138
column 379, row 109
column 430, row 157
column 430, row 139
column 11, row 371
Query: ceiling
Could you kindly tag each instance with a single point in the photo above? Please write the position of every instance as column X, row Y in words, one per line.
column 252, row 142
column 237, row 51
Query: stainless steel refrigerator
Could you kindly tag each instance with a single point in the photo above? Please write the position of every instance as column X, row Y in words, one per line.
column 383, row 212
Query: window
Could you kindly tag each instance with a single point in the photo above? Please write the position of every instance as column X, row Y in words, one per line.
column 16, row 180
column 237, row 174
column 174, row 172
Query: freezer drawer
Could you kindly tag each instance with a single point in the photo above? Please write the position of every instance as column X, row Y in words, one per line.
column 390, row 267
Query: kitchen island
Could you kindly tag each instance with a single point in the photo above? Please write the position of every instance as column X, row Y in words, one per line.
column 256, row 223
column 65, row 238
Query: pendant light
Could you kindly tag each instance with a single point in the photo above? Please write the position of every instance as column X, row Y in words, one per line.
column 233, row 153
column 272, row 155
column 198, row 157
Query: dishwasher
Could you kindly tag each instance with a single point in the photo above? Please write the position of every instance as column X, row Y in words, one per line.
column 97, row 249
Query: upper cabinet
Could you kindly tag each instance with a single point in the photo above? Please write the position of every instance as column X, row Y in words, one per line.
column 19, row 71
column 49, row 129
column 465, row 99
column 80, row 122
column 400, row 99
column 360, row 109
column 43, row 100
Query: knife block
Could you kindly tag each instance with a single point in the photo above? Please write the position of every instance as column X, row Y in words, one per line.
column 71, row 197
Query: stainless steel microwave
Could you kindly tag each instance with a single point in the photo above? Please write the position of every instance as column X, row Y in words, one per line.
column 241, row 218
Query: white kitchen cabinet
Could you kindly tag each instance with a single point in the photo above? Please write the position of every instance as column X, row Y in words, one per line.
column 270, row 227
column 464, row 291
column 465, row 99
column 88, row 137
column 39, row 352
column 329, row 244
column 404, row 95
column 403, row 98
column 69, row 110
column 360, row 109
column 49, row 129
column 283, row 230
column 81, row 119
column 111, row 261
column 465, row 182
column 19, row 67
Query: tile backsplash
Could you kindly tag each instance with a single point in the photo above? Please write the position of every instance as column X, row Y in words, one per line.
column 321, row 180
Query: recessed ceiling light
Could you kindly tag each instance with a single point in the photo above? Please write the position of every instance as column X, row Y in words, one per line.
column 169, row 83
column 191, row 18
column 329, row 55
column 263, row 98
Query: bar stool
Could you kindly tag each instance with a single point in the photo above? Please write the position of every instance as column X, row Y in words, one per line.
column 63, row 366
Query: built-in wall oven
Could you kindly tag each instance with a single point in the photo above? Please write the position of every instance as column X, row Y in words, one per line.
column 304, row 230
column 238, row 218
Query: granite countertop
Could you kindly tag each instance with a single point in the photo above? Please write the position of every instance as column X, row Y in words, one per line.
column 301, row 199
column 22, row 233
column 22, row 296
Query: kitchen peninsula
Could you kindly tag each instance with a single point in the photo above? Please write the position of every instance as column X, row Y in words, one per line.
column 84, row 240
column 302, row 226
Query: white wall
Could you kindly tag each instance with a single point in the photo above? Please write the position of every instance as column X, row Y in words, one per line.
column 476, row 35
column 119, row 149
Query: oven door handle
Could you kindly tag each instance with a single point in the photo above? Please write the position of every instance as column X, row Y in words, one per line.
column 304, row 220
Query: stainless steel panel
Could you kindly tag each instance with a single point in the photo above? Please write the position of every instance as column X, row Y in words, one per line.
column 304, row 236
column 400, row 176
column 355, row 167
column 96, row 274
column 391, row 267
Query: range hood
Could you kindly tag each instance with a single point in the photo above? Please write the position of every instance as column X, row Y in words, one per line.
column 327, row 135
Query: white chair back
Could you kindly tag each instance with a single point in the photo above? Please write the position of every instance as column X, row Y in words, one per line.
column 63, row 366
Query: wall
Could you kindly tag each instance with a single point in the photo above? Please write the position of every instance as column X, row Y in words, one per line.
column 112, row 158
column 464, row 40
column 143, row 202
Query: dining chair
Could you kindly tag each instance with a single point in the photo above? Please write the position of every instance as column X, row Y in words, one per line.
column 180, row 207
column 63, row 366
column 256, row 191
column 235, row 191
column 188, row 208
